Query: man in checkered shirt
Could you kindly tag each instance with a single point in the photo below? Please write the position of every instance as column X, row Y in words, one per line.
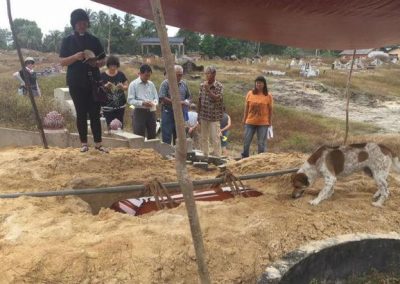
column 210, row 112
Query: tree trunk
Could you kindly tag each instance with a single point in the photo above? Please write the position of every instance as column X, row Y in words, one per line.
column 348, row 98
column 180, row 155
column 26, row 75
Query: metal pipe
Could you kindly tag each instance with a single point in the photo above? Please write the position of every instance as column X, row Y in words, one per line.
column 137, row 187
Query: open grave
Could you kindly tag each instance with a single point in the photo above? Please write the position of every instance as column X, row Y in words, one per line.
column 242, row 236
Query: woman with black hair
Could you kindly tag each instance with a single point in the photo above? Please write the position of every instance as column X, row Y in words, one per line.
column 116, row 83
column 257, row 116
column 80, row 75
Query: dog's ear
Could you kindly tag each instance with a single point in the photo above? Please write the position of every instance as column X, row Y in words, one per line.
column 300, row 180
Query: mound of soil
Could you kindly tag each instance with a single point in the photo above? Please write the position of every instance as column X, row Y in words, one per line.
column 58, row 240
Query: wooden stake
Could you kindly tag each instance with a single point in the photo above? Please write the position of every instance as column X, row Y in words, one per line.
column 26, row 75
column 348, row 98
column 181, row 148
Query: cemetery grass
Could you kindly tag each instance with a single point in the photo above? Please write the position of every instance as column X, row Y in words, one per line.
column 294, row 130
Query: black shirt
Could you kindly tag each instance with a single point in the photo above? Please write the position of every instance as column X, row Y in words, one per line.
column 117, row 98
column 118, row 78
column 77, row 72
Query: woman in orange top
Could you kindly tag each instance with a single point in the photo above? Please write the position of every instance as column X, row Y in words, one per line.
column 257, row 116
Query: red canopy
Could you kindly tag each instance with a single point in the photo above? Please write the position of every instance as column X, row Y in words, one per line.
column 324, row 24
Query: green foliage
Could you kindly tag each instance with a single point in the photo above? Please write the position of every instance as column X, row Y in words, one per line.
column 5, row 38
column 192, row 39
column 28, row 33
column 52, row 41
column 266, row 48
column 292, row 51
column 207, row 45
column 146, row 29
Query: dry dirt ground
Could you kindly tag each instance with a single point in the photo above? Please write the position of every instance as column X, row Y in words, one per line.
column 58, row 240
column 316, row 98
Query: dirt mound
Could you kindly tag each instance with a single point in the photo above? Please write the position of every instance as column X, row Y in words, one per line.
column 51, row 240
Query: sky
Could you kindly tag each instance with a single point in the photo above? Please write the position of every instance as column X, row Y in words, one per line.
column 53, row 14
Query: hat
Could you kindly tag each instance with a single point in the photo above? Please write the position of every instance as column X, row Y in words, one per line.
column 78, row 15
column 29, row 59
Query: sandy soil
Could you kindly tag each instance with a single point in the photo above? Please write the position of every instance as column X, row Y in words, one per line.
column 317, row 98
column 58, row 240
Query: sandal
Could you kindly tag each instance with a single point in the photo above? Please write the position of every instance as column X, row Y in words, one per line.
column 102, row 149
column 84, row 148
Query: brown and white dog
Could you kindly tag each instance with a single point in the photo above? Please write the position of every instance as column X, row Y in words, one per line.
column 334, row 162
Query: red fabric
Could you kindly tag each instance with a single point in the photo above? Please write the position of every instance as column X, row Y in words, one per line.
column 324, row 24
column 147, row 205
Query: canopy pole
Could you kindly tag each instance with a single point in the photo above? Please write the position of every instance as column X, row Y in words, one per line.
column 26, row 75
column 181, row 147
column 348, row 98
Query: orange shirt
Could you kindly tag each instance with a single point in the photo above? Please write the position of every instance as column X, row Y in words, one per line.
column 259, row 109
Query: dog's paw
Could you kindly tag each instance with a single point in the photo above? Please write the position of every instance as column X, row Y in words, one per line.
column 377, row 195
column 314, row 202
column 377, row 204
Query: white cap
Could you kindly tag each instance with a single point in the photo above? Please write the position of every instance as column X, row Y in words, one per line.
column 29, row 59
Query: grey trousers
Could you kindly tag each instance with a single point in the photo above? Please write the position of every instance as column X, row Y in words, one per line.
column 144, row 122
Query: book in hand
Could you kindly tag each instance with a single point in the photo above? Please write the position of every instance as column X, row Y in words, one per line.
column 270, row 132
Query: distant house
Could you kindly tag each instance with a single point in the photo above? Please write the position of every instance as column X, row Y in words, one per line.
column 395, row 53
column 360, row 53
column 178, row 42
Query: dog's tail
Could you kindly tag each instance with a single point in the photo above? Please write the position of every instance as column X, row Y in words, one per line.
column 396, row 164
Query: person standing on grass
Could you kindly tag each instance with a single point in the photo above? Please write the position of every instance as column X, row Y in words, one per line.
column 168, row 130
column 210, row 112
column 29, row 64
column 257, row 116
column 78, row 76
column 116, row 83
column 142, row 94
column 225, row 124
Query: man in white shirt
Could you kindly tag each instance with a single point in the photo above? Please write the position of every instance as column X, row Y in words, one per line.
column 142, row 94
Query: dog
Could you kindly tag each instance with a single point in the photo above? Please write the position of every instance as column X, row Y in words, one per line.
column 331, row 163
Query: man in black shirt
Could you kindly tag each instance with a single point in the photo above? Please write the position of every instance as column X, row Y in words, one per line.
column 79, row 74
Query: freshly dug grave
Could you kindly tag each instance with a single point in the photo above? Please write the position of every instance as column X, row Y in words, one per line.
column 57, row 239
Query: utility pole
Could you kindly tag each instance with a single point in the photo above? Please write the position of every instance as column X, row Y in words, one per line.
column 26, row 75
column 185, row 182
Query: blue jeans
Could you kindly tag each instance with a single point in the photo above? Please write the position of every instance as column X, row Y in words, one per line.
column 249, row 131
column 168, row 131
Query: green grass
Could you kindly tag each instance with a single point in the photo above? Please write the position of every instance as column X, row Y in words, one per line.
column 294, row 130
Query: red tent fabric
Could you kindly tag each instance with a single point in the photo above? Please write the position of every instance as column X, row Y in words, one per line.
column 323, row 24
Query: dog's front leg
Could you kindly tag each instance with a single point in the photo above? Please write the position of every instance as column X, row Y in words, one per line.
column 326, row 192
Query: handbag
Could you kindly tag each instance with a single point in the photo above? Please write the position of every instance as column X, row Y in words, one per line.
column 99, row 92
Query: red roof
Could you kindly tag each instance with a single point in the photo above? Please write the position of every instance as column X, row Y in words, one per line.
column 325, row 24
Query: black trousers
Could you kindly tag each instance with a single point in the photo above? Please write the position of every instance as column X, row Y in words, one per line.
column 111, row 115
column 144, row 120
column 84, row 106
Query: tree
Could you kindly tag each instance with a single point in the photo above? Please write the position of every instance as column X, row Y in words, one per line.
column 207, row 45
column 266, row 48
column 129, row 44
column 5, row 38
column 28, row 33
column 52, row 41
column 67, row 31
column 146, row 29
column 292, row 51
column 192, row 39
column 100, row 25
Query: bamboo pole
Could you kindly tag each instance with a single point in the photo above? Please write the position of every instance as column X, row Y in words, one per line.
column 181, row 147
column 348, row 98
column 26, row 75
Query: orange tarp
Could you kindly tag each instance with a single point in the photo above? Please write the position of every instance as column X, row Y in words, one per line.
column 324, row 24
